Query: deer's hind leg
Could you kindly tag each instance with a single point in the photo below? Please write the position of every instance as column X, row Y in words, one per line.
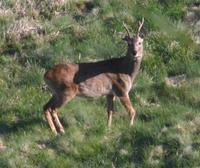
column 57, row 122
column 47, row 112
column 51, row 108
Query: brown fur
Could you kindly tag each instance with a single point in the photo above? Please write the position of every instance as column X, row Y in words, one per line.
column 111, row 78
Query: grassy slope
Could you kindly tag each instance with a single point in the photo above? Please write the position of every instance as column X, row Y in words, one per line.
column 167, row 126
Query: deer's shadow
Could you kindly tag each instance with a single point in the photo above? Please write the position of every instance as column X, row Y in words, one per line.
column 24, row 124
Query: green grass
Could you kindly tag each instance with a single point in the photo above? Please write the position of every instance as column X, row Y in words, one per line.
column 167, row 125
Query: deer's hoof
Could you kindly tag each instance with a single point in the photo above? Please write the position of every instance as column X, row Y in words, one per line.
column 55, row 132
column 62, row 131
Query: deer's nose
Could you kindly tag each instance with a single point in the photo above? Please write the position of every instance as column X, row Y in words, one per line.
column 134, row 52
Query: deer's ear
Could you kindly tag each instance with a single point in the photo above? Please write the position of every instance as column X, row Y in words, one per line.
column 128, row 39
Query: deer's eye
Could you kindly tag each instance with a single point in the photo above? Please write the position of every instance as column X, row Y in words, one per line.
column 139, row 43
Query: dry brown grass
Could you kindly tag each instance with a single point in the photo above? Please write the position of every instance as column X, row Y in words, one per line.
column 5, row 11
column 23, row 28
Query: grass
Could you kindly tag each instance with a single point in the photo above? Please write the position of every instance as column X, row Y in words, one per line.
column 36, row 35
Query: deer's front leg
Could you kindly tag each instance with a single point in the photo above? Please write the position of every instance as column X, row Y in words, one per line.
column 127, row 104
column 110, row 99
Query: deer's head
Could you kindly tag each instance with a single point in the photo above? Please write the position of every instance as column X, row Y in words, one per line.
column 135, row 43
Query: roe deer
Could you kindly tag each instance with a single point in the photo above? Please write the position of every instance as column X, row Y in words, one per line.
column 111, row 78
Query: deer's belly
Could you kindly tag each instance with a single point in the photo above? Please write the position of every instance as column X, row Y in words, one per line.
column 95, row 87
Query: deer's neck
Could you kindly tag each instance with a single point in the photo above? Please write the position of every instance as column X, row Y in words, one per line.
column 135, row 68
column 134, row 62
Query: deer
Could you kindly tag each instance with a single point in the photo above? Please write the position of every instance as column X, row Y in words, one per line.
column 109, row 78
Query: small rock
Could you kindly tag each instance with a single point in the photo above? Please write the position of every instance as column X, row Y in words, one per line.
column 2, row 147
column 175, row 80
column 123, row 152
column 41, row 146
column 187, row 150
column 164, row 129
